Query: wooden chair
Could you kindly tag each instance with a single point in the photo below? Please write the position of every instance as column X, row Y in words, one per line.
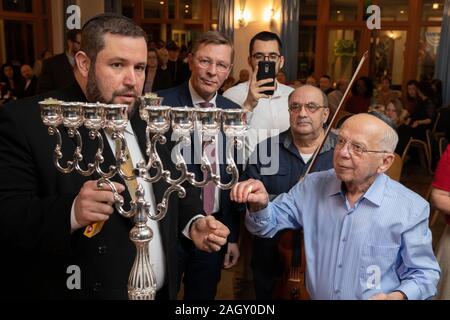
column 426, row 147
column 395, row 171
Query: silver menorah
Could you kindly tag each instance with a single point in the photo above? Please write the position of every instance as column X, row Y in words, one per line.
column 113, row 118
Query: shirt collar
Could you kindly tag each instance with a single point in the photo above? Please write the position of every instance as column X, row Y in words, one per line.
column 286, row 140
column 196, row 99
column 374, row 194
column 129, row 129
column 71, row 59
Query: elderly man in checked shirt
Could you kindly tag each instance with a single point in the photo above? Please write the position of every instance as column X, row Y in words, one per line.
column 366, row 236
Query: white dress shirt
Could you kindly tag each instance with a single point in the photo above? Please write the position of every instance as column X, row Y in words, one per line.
column 196, row 100
column 270, row 116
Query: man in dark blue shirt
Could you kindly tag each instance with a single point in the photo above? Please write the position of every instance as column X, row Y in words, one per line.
column 279, row 162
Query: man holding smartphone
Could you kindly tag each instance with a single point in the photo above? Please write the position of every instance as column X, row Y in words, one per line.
column 268, row 116
column 265, row 98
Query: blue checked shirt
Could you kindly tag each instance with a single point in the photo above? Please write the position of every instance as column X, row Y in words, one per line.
column 382, row 244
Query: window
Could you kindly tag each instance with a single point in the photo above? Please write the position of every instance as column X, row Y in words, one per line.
column 394, row 10
column 128, row 8
column 153, row 9
column 432, row 10
column 308, row 10
column 19, row 49
column 306, row 55
column 343, row 10
column 190, row 9
column 18, row 5
column 428, row 46
column 214, row 10
column 342, row 53
column 178, row 20
column 387, row 55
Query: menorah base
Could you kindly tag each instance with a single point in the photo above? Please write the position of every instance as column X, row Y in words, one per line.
column 142, row 280
column 142, row 293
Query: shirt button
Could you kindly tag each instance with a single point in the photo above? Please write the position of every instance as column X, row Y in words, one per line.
column 344, row 239
column 337, row 291
column 101, row 250
column 340, row 265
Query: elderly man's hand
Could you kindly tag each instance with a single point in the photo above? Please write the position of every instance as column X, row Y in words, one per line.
column 251, row 192
column 396, row 295
column 209, row 234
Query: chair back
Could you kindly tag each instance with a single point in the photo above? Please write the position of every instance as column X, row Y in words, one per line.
column 395, row 171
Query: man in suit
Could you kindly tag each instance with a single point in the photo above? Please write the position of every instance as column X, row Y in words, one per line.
column 29, row 87
column 57, row 71
column 43, row 212
column 210, row 63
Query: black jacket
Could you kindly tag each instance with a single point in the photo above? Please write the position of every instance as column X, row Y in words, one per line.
column 35, row 204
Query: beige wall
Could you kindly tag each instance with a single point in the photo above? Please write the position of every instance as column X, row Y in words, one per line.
column 58, row 26
column 258, row 20
column 90, row 8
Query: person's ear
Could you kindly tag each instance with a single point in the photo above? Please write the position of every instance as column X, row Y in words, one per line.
column 326, row 114
column 229, row 71
column 83, row 63
column 281, row 62
column 249, row 60
column 386, row 162
column 191, row 61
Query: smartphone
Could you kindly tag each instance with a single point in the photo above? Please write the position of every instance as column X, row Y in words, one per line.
column 266, row 70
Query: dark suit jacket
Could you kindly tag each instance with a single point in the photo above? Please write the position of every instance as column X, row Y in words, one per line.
column 229, row 211
column 30, row 90
column 35, row 204
column 57, row 73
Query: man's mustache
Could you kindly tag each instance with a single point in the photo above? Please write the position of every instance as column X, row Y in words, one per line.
column 127, row 92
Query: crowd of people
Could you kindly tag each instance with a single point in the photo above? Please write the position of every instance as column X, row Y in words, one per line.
column 356, row 221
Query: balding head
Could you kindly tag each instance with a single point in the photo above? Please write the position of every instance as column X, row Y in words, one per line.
column 364, row 150
column 310, row 90
column 307, row 123
column 384, row 136
column 26, row 72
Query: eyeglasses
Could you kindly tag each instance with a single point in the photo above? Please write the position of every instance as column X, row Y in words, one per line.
column 354, row 148
column 205, row 63
column 310, row 107
column 259, row 56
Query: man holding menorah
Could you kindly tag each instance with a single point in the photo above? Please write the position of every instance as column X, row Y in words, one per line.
column 61, row 235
